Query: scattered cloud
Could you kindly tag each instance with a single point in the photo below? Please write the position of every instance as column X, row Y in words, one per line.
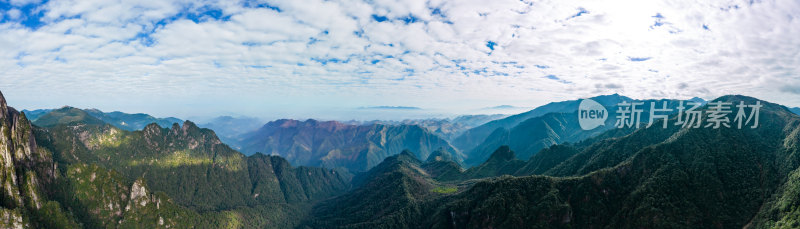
column 639, row 59
column 307, row 57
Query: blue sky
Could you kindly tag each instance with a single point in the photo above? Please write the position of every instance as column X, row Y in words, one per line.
column 333, row 59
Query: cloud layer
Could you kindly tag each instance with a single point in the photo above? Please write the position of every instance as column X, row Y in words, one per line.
column 313, row 58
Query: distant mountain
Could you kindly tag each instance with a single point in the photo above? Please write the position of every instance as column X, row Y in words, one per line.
column 471, row 121
column 534, row 134
column 475, row 136
column 66, row 116
column 131, row 122
column 503, row 107
column 332, row 144
column 35, row 114
column 391, row 108
column 125, row 121
column 795, row 110
column 445, row 128
column 230, row 129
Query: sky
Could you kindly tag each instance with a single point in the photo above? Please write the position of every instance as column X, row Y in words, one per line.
column 389, row 59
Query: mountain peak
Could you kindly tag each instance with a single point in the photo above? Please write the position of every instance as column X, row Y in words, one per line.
column 2, row 100
column 67, row 115
column 440, row 155
column 407, row 153
column 503, row 153
column 152, row 127
column 187, row 125
column 3, row 106
column 766, row 106
column 612, row 99
column 697, row 99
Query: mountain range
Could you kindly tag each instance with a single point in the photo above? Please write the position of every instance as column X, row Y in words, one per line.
column 650, row 178
column 70, row 169
column 332, row 144
column 125, row 121
column 446, row 128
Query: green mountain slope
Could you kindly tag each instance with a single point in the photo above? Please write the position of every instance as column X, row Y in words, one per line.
column 650, row 178
column 708, row 178
column 121, row 120
column 130, row 122
column 534, row 134
column 185, row 176
column 66, row 116
column 473, row 137
column 393, row 194
column 191, row 165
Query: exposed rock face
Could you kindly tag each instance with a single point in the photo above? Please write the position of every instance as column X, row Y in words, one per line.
column 25, row 167
column 138, row 194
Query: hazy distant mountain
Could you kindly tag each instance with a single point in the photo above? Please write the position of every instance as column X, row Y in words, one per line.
column 445, row 128
column 503, row 107
column 35, row 114
column 333, row 144
column 534, row 134
column 795, row 110
column 391, row 108
column 230, row 129
column 475, row 136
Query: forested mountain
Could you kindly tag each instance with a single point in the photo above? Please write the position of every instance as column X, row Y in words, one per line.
column 683, row 177
column 80, row 172
column 534, row 134
column 651, row 178
column 332, row 144
column 796, row 110
column 472, row 138
column 120, row 120
column 131, row 122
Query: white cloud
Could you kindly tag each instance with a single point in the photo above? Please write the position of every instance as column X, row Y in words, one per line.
column 314, row 55
column 14, row 14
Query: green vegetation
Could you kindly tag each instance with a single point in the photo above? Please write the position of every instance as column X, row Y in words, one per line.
column 444, row 189
column 77, row 173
